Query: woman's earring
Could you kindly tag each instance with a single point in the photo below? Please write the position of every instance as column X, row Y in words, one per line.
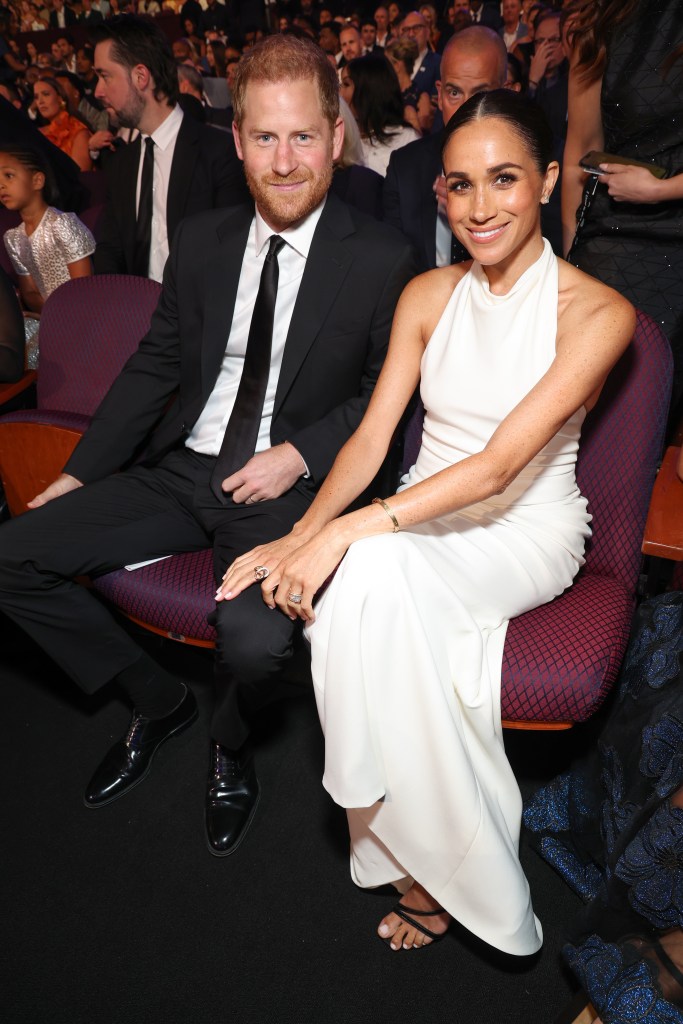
column 545, row 199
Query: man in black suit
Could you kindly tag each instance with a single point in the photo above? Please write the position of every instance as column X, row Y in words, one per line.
column 474, row 60
column 334, row 276
column 61, row 16
column 195, row 167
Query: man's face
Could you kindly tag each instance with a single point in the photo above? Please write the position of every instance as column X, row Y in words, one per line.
column 83, row 63
column 288, row 148
column 464, row 73
column 415, row 26
column 116, row 89
column 368, row 34
column 181, row 51
column 349, row 39
column 512, row 10
column 548, row 40
column 56, row 52
column 382, row 19
column 328, row 40
column 43, row 60
column 325, row 16
column 461, row 5
column 65, row 48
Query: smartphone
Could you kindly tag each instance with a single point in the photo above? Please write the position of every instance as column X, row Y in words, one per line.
column 591, row 161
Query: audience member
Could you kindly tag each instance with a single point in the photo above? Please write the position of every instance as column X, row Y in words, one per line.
column 368, row 34
column 94, row 118
column 475, row 60
column 402, row 54
column 485, row 13
column 85, row 59
column 192, row 100
column 426, row 69
column 60, row 15
column 184, row 167
column 231, row 462
column 64, row 130
column 382, row 23
column 352, row 180
column 67, row 52
column 625, row 99
column 370, row 87
column 49, row 247
column 513, row 28
column 351, row 44
column 89, row 15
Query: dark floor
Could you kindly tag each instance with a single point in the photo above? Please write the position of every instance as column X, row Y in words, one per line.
column 121, row 916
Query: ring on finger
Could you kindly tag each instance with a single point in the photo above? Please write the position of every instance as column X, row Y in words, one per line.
column 294, row 598
column 260, row 572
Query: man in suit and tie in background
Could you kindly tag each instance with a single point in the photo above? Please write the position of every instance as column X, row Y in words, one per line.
column 414, row 196
column 260, row 361
column 177, row 166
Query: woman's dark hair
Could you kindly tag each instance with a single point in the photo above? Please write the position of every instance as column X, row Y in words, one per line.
column 377, row 99
column 218, row 50
column 137, row 40
column 591, row 24
column 35, row 162
column 524, row 117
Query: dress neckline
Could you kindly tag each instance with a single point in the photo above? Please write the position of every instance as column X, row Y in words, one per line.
column 522, row 286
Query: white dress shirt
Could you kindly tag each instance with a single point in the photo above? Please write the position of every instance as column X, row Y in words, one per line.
column 207, row 433
column 165, row 137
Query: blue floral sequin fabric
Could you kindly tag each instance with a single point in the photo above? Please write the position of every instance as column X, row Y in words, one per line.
column 612, row 828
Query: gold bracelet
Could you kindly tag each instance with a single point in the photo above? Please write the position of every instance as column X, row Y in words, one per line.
column 380, row 501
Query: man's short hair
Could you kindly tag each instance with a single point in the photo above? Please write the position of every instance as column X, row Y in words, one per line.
column 476, row 38
column 284, row 58
column 136, row 41
column 74, row 80
column 192, row 77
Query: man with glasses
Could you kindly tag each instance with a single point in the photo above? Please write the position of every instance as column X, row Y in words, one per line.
column 426, row 67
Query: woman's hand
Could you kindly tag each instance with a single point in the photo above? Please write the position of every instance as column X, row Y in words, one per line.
column 628, row 184
column 301, row 574
column 294, row 568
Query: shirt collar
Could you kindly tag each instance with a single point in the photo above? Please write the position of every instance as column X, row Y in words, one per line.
column 167, row 131
column 300, row 236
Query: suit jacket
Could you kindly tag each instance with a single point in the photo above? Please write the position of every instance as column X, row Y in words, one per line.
column 409, row 201
column 335, row 346
column 69, row 18
column 206, row 173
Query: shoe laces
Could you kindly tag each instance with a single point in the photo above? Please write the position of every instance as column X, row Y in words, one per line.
column 134, row 730
column 225, row 765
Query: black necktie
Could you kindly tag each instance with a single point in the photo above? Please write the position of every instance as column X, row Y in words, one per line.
column 143, row 224
column 241, row 434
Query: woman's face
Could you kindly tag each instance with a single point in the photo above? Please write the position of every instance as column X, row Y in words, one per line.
column 48, row 103
column 31, row 51
column 428, row 16
column 346, row 89
column 210, row 59
column 494, row 194
column 394, row 12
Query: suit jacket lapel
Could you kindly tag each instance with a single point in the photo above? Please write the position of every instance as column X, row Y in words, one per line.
column 221, row 268
column 125, row 189
column 326, row 268
column 185, row 156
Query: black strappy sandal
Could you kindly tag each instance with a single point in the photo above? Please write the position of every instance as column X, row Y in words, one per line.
column 404, row 913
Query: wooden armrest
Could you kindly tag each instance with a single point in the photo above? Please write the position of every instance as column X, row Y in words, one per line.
column 32, row 455
column 664, row 526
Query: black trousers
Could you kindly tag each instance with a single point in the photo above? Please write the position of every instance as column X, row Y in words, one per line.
column 146, row 512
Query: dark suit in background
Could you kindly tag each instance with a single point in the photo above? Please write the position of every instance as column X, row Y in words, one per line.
column 205, row 174
column 335, row 347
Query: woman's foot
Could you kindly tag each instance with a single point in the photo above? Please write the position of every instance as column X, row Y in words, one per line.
column 401, row 934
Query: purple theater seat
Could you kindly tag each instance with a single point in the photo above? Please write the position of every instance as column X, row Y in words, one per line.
column 88, row 329
column 560, row 660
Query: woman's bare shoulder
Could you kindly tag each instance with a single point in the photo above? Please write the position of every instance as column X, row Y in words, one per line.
column 589, row 306
column 427, row 295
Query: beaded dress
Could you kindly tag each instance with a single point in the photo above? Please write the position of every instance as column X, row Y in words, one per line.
column 408, row 640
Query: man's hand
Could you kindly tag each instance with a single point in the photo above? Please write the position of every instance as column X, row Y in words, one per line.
column 441, row 193
column 628, row 184
column 62, row 485
column 266, row 475
column 101, row 140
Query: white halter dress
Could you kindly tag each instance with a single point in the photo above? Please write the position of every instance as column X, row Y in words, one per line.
column 408, row 640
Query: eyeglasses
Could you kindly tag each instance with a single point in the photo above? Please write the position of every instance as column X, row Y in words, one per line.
column 409, row 30
column 548, row 39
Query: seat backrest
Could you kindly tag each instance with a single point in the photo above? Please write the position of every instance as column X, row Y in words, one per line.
column 621, row 443
column 88, row 329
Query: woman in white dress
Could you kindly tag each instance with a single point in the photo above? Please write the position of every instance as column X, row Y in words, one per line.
column 510, row 350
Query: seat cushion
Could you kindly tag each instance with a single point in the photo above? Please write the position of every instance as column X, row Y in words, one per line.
column 561, row 659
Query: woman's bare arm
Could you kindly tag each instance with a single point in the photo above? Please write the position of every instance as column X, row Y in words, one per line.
column 584, row 133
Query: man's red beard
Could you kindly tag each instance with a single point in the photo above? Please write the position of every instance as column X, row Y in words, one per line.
column 281, row 209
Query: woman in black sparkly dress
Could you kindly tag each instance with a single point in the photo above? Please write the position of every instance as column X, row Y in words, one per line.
column 626, row 98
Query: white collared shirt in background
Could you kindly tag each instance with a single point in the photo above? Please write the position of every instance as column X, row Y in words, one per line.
column 165, row 137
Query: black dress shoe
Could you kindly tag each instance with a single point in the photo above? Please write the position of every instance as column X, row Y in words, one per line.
column 232, row 796
column 129, row 761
